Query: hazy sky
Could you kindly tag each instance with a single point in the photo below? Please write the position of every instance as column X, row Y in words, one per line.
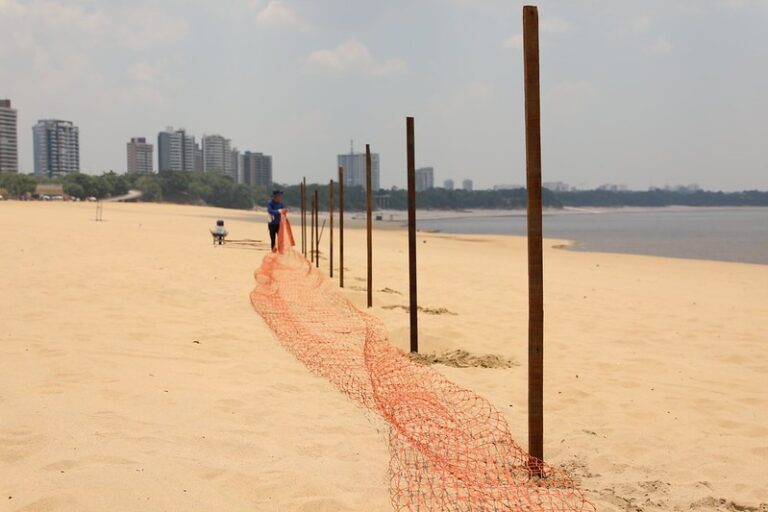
column 643, row 93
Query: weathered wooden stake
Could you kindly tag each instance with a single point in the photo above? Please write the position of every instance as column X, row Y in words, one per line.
column 304, row 217
column 414, row 304
column 369, row 222
column 330, row 213
column 535, row 259
column 317, row 231
column 341, row 227
column 312, row 232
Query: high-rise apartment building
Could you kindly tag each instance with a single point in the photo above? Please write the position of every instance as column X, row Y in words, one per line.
column 425, row 178
column 175, row 151
column 355, row 169
column 467, row 185
column 9, row 140
column 198, row 159
column 139, row 156
column 256, row 169
column 234, row 164
column 56, row 147
column 219, row 156
column 448, row 185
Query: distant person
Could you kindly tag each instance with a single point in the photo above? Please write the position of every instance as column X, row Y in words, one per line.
column 219, row 232
column 276, row 209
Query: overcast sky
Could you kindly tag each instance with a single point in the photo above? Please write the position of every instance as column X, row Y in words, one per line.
column 645, row 93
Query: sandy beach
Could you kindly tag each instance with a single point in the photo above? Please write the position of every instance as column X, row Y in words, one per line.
column 136, row 375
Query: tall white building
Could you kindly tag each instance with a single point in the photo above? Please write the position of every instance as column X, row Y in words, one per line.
column 175, row 151
column 425, row 178
column 448, row 184
column 355, row 171
column 9, row 140
column 467, row 184
column 56, row 147
column 219, row 157
column 139, row 155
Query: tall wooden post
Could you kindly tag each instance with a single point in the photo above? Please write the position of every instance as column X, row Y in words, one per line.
column 312, row 231
column 341, row 227
column 535, row 258
column 369, row 222
column 330, row 214
column 317, row 231
column 304, row 217
column 301, row 214
column 414, row 305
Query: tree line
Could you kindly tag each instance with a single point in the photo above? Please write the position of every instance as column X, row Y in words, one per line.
column 218, row 190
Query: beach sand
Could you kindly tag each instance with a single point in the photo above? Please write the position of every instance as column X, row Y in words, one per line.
column 135, row 374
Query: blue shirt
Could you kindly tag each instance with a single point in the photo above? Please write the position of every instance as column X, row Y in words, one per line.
column 273, row 209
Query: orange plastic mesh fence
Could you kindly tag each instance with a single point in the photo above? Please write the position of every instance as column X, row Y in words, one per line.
column 450, row 449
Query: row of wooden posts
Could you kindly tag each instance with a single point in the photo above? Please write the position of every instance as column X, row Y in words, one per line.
column 535, row 267
column 311, row 250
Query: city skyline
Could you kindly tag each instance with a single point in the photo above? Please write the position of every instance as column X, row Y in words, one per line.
column 631, row 93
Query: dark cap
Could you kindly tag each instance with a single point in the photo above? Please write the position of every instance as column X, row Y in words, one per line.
column 276, row 192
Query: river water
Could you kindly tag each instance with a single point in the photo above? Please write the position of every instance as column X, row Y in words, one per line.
column 724, row 234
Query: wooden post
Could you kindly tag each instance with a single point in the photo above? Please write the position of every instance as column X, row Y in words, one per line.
column 369, row 222
column 330, row 214
column 317, row 231
column 304, row 217
column 301, row 214
column 535, row 259
column 312, row 232
column 414, row 305
column 341, row 227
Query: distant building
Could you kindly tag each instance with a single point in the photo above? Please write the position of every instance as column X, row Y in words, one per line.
column 556, row 186
column 234, row 164
column 467, row 185
column 425, row 178
column 175, row 151
column 9, row 139
column 448, row 185
column 684, row 189
column 218, row 156
column 506, row 187
column 139, row 156
column 198, row 166
column 56, row 146
column 612, row 187
column 355, row 169
column 256, row 169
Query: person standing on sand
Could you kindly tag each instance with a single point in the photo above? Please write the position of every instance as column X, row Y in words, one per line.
column 275, row 209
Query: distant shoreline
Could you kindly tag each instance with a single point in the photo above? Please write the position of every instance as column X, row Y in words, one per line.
column 399, row 216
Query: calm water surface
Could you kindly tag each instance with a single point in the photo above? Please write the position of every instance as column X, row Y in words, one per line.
column 725, row 234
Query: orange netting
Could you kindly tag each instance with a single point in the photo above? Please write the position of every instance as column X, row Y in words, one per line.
column 450, row 449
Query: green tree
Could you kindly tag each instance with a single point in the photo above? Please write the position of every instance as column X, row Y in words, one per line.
column 150, row 188
column 17, row 184
column 75, row 190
